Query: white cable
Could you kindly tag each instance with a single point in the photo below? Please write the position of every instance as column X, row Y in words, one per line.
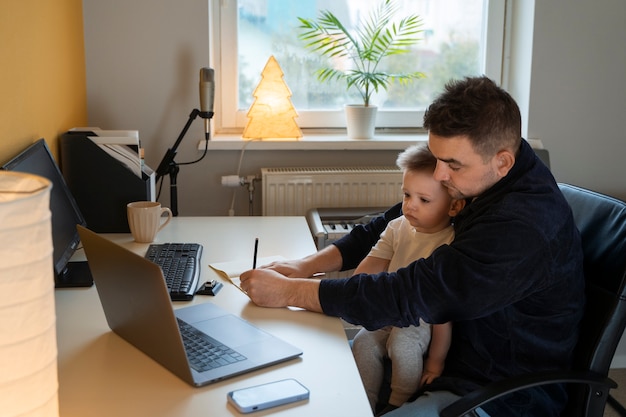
column 231, row 211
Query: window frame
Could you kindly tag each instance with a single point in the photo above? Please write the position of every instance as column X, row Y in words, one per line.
column 229, row 119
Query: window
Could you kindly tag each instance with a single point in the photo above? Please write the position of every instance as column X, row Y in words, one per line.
column 460, row 38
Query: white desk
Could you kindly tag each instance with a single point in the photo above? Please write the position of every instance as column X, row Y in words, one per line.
column 100, row 374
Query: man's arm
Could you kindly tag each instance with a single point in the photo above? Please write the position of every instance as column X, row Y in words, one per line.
column 268, row 288
column 346, row 253
column 355, row 246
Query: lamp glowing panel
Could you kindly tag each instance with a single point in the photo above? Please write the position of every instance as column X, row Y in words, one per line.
column 271, row 115
column 28, row 349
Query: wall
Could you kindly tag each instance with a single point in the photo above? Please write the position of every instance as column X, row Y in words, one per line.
column 577, row 95
column 42, row 68
column 143, row 59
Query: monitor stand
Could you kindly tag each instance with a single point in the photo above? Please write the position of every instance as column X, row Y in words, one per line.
column 75, row 274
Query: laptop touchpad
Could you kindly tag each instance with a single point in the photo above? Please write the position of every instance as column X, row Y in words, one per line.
column 231, row 331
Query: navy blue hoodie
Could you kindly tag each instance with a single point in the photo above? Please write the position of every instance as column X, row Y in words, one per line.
column 511, row 282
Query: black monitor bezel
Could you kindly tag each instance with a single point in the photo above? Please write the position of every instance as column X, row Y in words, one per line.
column 67, row 274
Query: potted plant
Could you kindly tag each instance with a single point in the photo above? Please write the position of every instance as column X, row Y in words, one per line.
column 373, row 39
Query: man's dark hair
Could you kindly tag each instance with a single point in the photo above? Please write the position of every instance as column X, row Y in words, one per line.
column 477, row 108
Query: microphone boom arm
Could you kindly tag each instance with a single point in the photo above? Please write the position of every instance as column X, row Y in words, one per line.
column 169, row 167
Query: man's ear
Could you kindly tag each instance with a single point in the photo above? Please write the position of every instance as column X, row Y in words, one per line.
column 504, row 161
column 455, row 207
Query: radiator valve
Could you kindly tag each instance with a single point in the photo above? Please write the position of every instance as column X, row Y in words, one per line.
column 236, row 181
column 232, row 181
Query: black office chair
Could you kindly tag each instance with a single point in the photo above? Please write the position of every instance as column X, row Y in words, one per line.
column 602, row 224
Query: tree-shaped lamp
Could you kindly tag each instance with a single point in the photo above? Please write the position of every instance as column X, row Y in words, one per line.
column 271, row 115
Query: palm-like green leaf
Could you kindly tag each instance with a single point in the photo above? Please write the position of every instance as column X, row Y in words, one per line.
column 375, row 38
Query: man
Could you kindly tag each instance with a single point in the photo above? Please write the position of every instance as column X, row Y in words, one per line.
column 511, row 281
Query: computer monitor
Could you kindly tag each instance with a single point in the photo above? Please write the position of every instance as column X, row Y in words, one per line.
column 37, row 159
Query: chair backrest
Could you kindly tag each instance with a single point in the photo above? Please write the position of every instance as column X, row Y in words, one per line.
column 601, row 221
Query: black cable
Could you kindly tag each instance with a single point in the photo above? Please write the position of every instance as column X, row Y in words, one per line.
column 206, row 148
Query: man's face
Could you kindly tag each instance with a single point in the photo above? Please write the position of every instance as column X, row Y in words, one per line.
column 463, row 171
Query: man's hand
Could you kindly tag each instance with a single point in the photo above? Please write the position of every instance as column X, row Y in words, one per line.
column 268, row 288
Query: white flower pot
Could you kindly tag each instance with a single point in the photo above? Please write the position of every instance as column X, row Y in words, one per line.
column 360, row 121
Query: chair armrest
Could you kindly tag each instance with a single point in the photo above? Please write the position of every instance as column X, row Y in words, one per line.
column 490, row 392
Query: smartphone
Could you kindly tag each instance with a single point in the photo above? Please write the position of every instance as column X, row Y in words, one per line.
column 272, row 394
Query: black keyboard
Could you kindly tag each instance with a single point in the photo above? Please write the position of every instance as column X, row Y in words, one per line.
column 180, row 263
column 203, row 351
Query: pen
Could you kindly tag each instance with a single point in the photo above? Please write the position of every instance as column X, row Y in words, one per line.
column 256, row 250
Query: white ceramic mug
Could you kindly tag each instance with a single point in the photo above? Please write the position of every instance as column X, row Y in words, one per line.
column 145, row 219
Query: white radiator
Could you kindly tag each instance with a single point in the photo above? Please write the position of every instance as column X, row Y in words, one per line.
column 293, row 191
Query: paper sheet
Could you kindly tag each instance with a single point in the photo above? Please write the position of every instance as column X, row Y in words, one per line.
column 231, row 270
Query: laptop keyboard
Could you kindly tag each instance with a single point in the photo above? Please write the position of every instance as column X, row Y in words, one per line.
column 204, row 352
column 180, row 263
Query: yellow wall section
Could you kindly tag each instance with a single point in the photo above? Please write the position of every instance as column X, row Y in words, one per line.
column 42, row 72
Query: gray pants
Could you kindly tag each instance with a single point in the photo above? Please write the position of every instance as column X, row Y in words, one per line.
column 405, row 347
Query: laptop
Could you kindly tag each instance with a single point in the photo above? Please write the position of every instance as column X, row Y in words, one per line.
column 137, row 307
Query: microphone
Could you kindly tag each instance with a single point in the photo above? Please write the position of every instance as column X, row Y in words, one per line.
column 207, row 96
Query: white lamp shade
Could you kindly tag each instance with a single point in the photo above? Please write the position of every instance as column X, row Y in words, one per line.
column 28, row 349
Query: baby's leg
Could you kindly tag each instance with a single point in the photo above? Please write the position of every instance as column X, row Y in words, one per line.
column 406, row 347
column 369, row 349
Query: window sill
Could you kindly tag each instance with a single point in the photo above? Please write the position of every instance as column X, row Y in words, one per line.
column 324, row 142
column 316, row 141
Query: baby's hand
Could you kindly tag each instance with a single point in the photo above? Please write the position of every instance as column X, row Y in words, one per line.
column 431, row 371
